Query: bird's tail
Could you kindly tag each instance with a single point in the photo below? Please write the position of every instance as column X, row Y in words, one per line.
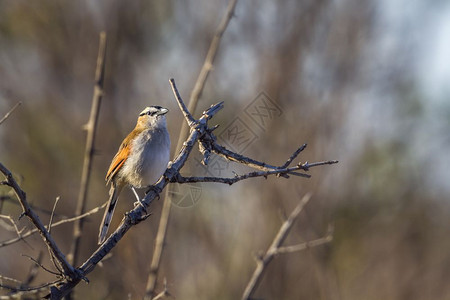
column 109, row 211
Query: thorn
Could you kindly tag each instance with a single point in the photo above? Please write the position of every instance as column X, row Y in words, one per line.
column 21, row 215
column 85, row 279
column 144, row 217
column 214, row 127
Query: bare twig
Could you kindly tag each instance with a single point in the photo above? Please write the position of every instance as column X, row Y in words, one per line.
column 10, row 181
column 231, row 180
column 293, row 156
column 195, row 95
column 12, row 227
column 33, row 271
column 10, row 112
column 187, row 115
column 210, row 56
column 138, row 214
column 37, row 263
column 91, row 128
column 199, row 132
column 20, row 291
column 306, row 166
column 275, row 247
column 7, row 198
column 306, row 245
column 35, row 230
column 9, row 279
column 49, row 227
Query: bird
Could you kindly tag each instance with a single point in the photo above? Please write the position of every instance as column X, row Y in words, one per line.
column 140, row 161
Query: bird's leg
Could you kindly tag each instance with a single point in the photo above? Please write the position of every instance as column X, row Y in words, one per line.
column 139, row 201
column 155, row 189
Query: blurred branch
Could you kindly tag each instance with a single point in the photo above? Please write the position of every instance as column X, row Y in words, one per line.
column 33, row 271
column 6, row 116
column 11, row 200
column 138, row 214
column 195, row 95
column 303, row 246
column 91, row 128
column 12, row 227
column 35, row 230
column 275, row 248
column 27, row 211
column 201, row 133
column 24, row 292
column 38, row 263
column 210, row 56
column 187, row 115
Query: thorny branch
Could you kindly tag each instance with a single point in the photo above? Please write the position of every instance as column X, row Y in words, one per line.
column 193, row 101
column 69, row 271
column 199, row 132
column 64, row 221
column 139, row 214
column 91, row 128
column 275, row 248
column 6, row 116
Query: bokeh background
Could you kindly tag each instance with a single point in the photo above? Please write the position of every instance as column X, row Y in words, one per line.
column 361, row 81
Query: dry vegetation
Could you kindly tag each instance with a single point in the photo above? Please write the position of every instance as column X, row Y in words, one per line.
column 335, row 83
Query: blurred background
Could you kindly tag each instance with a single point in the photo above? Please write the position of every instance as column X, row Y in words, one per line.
column 361, row 81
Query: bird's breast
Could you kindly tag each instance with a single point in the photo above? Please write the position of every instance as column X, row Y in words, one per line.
column 148, row 158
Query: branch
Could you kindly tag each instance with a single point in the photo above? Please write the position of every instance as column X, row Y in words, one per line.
column 187, row 115
column 275, row 247
column 8, row 227
column 35, row 230
column 199, row 132
column 231, row 180
column 276, row 171
column 24, row 292
column 91, row 128
column 165, row 212
column 293, row 156
column 195, row 95
column 27, row 211
column 39, row 264
column 138, row 214
column 209, row 141
column 49, row 227
column 210, row 56
column 306, row 245
column 12, row 200
column 33, row 272
column 10, row 112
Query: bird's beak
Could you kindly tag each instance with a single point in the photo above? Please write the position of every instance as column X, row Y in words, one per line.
column 163, row 111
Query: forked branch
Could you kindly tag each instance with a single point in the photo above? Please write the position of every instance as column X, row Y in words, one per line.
column 69, row 271
column 200, row 132
column 276, row 248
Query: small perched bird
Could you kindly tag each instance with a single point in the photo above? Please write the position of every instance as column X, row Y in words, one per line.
column 141, row 160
